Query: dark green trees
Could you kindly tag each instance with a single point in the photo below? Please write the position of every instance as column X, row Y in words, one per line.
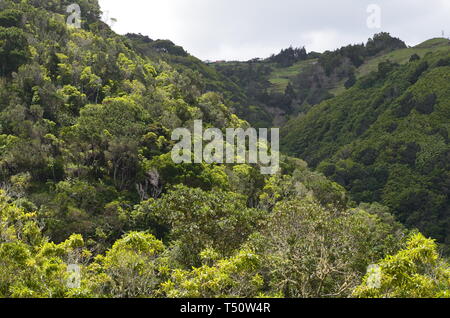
column 289, row 56
column 383, row 42
column 13, row 49
column 10, row 18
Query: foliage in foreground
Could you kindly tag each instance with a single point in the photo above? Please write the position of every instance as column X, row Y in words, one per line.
column 301, row 250
column 418, row 271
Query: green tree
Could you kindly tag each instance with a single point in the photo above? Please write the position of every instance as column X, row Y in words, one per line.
column 129, row 269
column 236, row 276
column 13, row 49
column 10, row 18
column 30, row 266
column 415, row 272
column 312, row 251
column 197, row 220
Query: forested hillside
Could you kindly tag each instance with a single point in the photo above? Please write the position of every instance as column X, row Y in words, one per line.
column 87, row 180
column 387, row 140
column 373, row 117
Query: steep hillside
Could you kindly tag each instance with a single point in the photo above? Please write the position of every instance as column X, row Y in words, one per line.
column 387, row 139
column 207, row 78
column 82, row 116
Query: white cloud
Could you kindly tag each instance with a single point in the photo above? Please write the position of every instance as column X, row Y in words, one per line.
column 243, row 29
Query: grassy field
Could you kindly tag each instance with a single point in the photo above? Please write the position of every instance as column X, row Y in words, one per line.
column 339, row 88
column 281, row 77
column 399, row 56
column 402, row 56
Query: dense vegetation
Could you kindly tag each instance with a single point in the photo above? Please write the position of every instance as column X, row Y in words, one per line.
column 372, row 117
column 386, row 140
column 86, row 178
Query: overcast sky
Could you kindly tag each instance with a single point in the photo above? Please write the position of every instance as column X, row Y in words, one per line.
column 244, row 29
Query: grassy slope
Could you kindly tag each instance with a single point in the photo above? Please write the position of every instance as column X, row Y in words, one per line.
column 399, row 56
column 281, row 76
column 403, row 56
